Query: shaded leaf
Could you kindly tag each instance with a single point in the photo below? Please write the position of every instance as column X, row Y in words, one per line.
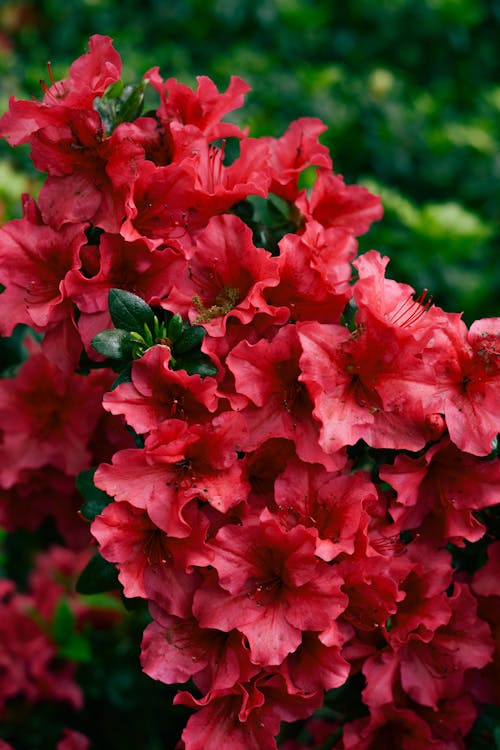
column 99, row 575
column 95, row 499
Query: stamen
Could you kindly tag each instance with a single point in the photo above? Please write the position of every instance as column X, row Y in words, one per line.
column 225, row 301
column 156, row 550
column 56, row 90
column 215, row 166
column 410, row 310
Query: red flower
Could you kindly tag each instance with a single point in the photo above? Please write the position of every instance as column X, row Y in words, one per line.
column 466, row 363
column 157, row 393
column 89, row 76
column 332, row 203
column 35, row 262
column 177, row 464
column 314, row 273
column 44, row 493
column 269, row 374
column 297, row 149
column 271, row 588
column 73, row 741
column 333, row 507
column 438, row 492
column 173, row 650
column 203, row 108
column 245, row 717
column 344, row 374
column 144, row 554
column 432, row 671
column 388, row 728
column 48, row 418
column 118, row 264
column 226, row 277
column 29, row 670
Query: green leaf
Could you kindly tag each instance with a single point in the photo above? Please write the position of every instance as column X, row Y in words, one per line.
column 95, row 499
column 105, row 602
column 120, row 104
column 64, row 622
column 129, row 311
column 125, row 376
column 70, row 644
column 190, row 339
column 115, row 90
column 77, row 648
column 174, row 329
column 196, row 363
column 132, row 101
column 114, row 343
column 99, row 575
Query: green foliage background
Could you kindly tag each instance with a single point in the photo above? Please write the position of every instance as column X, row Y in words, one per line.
column 409, row 89
column 410, row 92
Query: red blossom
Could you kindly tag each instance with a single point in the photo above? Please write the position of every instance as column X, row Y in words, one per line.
column 173, row 650
column 269, row 374
column 44, row 422
column 391, row 727
column 226, row 277
column 203, row 108
column 158, row 393
column 314, row 273
column 438, row 492
column 73, row 740
column 326, row 503
column 89, row 76
column 433, row 671
column 333, row 203
column 28, row 668
column 344, row 372
column 128, row 538
column 466, row 365
column 247, row 716
column 297, row 149
column 271, row 587
column 178, row 464
column 35, row 262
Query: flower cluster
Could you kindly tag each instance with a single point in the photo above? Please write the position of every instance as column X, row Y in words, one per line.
column 313, row 439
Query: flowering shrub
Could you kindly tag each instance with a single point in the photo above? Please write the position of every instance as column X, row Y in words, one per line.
column 286, row 454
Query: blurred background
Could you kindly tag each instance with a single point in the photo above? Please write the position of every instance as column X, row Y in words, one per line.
column 410, row 92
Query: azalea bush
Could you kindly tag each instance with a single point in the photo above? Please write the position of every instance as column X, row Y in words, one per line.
column 228, row 436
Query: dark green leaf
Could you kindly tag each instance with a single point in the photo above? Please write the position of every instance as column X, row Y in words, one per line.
column 95, row 499
column 188, row 340
column 125, row 376
column 174, row 329
column 114, row 343
column 129, row 311
column 197, row 364
column 99, row 575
